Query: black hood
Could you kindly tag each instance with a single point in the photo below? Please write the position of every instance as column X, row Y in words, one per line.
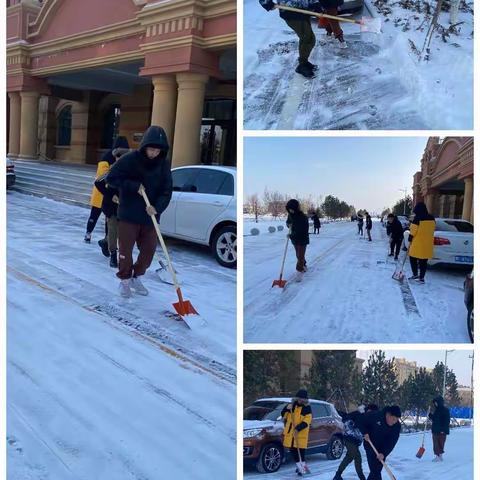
column 421, row 210
column 293, row 204
column 439, row 401
column 155, row 137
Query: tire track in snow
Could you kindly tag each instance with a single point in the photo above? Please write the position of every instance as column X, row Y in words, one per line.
column 121, row 318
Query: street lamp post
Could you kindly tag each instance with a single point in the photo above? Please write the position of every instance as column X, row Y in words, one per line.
column 445, row 371
column 404, row 190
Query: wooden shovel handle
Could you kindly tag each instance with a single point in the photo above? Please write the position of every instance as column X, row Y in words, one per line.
column 387, row 469
column 315, row 14
column 160, row 238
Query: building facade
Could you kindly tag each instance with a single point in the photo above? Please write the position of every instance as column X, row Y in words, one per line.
column 445, row 181
column 81, row 73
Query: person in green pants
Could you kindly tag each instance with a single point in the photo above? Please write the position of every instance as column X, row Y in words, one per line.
column 301, row 24
column 353, row 438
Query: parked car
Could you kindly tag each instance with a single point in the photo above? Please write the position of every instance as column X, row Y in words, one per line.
column 453, row 241
column 404, row 221
column 263, row 429
column 468, row 298
column 10, row 173
column 203, row 210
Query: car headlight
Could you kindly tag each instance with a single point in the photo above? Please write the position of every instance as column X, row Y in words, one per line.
column 254, row 432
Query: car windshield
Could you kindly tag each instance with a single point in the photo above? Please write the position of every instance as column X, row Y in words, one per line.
column 263, row 411
column 453, row 226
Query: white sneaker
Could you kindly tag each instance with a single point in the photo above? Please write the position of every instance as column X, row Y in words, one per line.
column 437, row 459
column 343, row 45
column 124, row 287
column 137, row 285
column 88, row 237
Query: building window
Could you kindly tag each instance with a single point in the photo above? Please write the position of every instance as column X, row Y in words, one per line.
column 64, row 123
column 111, row 126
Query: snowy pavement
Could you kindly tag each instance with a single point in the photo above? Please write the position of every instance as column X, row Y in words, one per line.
column 347, row 295
column 458, row 461
column 375, row 84
column 100, row 387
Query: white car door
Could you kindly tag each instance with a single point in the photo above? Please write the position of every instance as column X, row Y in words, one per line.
column 201, row 202
column 180, row 177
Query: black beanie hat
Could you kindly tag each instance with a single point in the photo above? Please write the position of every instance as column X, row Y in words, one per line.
column 395, row 411
column 293, row 204
column 302, row 394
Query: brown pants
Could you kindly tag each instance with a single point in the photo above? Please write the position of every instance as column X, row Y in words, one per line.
column 146, row 239
column 300, row 250
column 333, row 26
column 112, row 223
column 439, row 440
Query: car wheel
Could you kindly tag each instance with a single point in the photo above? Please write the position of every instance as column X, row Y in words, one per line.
column 270, row 459
column 470, row 323
column 224, row 246
column 335, row 448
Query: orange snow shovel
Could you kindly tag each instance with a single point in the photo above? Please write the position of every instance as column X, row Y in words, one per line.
column 280, row 282
column 421, row 450
column 182, row 307
column 387, row 468
column 373, row 25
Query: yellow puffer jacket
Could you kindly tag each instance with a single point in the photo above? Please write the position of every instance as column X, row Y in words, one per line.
column 96, row 198
column 302, row 416
column 421, row 238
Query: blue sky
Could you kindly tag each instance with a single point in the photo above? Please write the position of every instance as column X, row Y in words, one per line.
column 366, row 172
column 457, row 360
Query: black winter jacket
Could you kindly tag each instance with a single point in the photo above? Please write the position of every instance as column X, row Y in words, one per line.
column 381, row 434
column 368, row 221
column 440, row 417
column 298, row 223
column 395, row 229
column 316, row 221
column 135, row 169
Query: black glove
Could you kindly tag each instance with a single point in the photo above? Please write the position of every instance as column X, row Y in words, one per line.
column 267, row 5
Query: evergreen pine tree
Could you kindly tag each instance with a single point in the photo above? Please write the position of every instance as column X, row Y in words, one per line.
column 380, row 384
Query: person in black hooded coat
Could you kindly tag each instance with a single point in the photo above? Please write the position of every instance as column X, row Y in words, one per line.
column 316, row 224
column 440, row 418
column 395, row 232
column 382, row 428
column 297, row 222
column 148, row 167
column 110, row 202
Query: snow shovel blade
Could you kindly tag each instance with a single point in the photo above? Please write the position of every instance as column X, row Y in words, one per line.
column 279, row 283
column 165, row 277
column 373, row 25
column 420, row 452
column 399, row 276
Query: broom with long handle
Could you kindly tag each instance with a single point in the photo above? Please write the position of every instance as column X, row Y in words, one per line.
column 421, row 450
column 387, row 468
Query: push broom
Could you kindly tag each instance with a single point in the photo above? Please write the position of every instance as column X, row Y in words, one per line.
column 280, row 282
column 387, row 468
column 182, row 307
column 421, row 450
column 373, row 25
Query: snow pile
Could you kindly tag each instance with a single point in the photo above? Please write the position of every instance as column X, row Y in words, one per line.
column 441, row 86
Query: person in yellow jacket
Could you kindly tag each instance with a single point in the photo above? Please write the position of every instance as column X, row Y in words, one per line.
column 297, row 417
column 422, row 231
column 96, row 198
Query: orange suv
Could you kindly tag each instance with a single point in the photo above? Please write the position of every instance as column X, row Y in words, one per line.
column 263, row 429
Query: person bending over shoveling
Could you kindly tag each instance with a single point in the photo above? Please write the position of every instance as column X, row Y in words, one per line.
column 353, row 438
column 382, row 429
column 395, row 233
column 297, row 222
column 297, row 417
column 301, row 24
column 148, row 167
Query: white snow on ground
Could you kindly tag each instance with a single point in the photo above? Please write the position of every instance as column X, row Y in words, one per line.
column 458, row 461
column 377, row 83
column 103, row 388
column 348, row 294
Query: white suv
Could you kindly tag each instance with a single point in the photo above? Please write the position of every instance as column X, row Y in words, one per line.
column 203, row 210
